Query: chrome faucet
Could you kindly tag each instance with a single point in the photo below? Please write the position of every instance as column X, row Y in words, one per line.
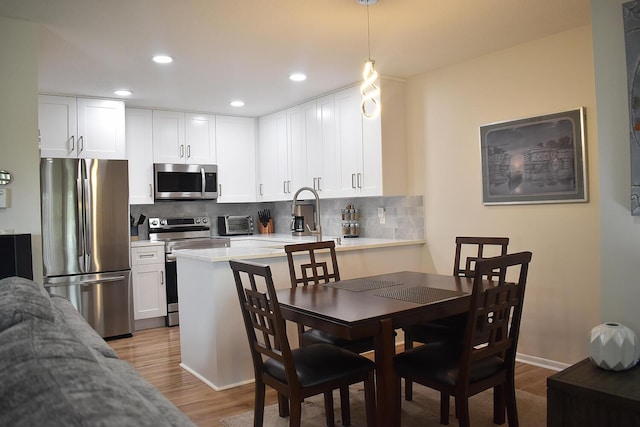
column 318, row 231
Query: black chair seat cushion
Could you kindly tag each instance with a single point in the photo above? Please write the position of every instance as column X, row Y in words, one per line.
column 439, row 361
column 449, row 328
column 321, row 363
column 315, row 336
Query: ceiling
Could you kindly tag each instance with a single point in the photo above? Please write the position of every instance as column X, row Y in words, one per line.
column 229, row 49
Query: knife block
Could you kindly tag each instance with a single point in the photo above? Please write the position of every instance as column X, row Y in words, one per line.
column 266, row 229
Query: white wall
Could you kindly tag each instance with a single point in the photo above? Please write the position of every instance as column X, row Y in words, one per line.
column 445, row 109
column 620, row 246
column 19, row 131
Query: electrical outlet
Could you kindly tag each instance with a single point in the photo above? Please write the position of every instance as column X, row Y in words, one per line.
column 382, row 215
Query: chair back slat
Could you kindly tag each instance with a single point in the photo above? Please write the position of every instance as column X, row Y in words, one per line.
column 263, row 321
column 469, row 250
column 493, row 323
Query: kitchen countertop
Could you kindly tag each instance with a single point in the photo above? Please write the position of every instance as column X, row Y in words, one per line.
column 141, row 243
column 271, row 245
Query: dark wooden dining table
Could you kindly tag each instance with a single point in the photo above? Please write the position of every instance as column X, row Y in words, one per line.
column 376, row 306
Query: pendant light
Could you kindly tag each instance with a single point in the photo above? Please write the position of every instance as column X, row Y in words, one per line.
column 370, row 92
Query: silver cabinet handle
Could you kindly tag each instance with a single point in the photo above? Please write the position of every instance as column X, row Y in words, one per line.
column 181, row 150
column 261, row 190
column 219, row 190
column 284, row 187
column 289, row 187
column 359, row 180
column 141, row 256
column 73, row 142
column 315, row 183
column 319, row 179
column 81, row 144
column 162, row 277
column 188, row 151
column 150, row 190
column 353, row 180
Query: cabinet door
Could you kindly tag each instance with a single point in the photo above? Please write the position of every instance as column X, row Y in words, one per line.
column 236, row 154
column 296, row 149
column 371, row 183
column 101, row 132
column 139, row 142
column 273, row 158
column 349, row 140
column 57, row 121
column 149, row 294
column 168, row 137
column 322, row 153
column 200, row 139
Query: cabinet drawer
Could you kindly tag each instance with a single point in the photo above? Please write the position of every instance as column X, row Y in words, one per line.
column 147, row 255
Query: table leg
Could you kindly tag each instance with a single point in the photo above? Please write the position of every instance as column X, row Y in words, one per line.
column 385, row 389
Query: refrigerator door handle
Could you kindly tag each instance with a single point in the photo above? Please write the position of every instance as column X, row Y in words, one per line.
column 88, row 214
column 80, row 223
column 87, row 283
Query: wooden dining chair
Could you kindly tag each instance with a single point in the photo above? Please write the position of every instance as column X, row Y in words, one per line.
column 313, row 271
column 485, row 358
column 294, row 374
column 468, row 251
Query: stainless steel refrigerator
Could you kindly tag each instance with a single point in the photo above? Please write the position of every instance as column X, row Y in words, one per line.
column 85, row 239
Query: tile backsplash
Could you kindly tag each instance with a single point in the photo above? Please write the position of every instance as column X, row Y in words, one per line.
column 404, row 215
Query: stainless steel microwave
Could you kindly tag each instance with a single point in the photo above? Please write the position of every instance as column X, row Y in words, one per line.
column 185, row 182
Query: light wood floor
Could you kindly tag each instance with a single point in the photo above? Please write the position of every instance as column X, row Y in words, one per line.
column 155, row 353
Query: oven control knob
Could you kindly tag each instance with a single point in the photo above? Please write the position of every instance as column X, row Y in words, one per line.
column 204, row 220
column 163, row 222
column 154, row 222
column 197, row 220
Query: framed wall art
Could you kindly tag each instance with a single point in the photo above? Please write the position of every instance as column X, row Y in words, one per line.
column 535, row 160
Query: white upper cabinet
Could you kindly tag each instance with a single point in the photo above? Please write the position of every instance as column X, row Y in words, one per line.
column 200, row 139
column 81, row 127
column 139, row 137
column 322, row 150
column 272, row 158
column 236, row 154
column 183, row 138
column 328, row 145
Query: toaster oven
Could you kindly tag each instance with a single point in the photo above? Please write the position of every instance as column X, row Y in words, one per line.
column 233, row 225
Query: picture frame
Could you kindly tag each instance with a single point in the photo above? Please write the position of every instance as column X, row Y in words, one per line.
column 534, row 160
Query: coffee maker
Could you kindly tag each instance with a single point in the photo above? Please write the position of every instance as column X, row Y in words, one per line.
column 303, row 219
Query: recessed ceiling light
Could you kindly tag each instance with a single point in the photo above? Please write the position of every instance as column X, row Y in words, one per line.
column 237, row 103
column 298, row 77
column 122, row 92
column 162, row 59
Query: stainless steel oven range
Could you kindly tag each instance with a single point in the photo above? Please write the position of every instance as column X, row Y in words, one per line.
column 181, row 233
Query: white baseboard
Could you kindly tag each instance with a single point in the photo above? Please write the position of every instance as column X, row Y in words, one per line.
column 541, row 362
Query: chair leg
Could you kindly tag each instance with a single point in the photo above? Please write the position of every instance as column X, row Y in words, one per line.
column 370, row 399
column 258, row 409
column 296, row 413
column 462, row 411
column 408, row 384
column 283, row 405
column 328, row 409
column 345, row 406
column 498, row 404
column 510, row 397
column 444, row 408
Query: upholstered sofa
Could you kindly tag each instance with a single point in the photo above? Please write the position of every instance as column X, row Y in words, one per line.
column 55, row 370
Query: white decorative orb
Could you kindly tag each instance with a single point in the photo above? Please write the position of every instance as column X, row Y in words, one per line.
column 614, row 347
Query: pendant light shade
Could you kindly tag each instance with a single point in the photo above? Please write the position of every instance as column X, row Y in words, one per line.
column 369, row 90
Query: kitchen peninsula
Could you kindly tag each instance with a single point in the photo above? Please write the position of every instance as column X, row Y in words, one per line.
column 213, row 341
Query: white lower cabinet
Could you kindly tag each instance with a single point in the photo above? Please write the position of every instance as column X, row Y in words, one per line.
column 149, row 294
